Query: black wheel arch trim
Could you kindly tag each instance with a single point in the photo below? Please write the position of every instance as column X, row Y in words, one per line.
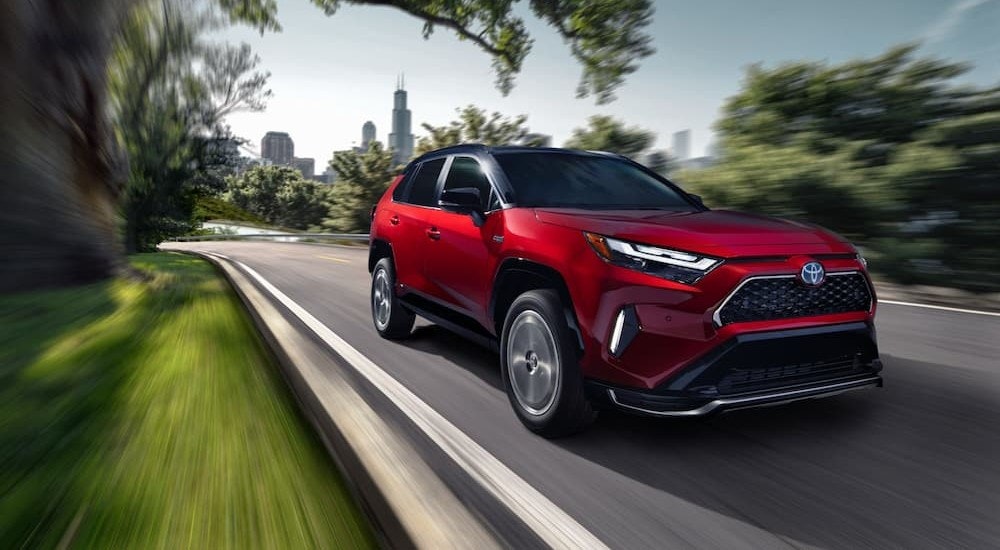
column 513, row 266
column 377, row 249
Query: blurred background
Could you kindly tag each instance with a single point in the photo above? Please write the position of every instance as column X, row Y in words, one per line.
column 135, row 121
column 128, row 123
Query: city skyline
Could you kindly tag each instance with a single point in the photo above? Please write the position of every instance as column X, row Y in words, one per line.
column 400, row 140
column 703, row 50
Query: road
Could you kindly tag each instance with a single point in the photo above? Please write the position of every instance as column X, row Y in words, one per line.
column 912, row 465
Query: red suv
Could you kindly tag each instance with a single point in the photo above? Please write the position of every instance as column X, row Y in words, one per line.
column 604, row 285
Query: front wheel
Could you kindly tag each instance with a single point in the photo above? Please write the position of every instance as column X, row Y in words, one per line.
column 391, row 319
column 539, row 366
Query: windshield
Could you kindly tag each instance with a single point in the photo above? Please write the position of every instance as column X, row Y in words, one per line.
column 582, row 181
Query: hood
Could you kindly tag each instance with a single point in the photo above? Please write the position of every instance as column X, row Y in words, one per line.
column 720, row 232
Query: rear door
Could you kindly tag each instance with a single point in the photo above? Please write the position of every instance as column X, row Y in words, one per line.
column 457, row 253
column 411, row 216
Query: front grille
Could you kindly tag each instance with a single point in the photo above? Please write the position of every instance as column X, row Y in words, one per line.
column 766, row 299
column 740, row 380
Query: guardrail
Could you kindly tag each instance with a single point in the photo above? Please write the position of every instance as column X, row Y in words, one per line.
column 358, row 237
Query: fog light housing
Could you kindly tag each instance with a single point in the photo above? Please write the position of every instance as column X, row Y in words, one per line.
column 623, row 331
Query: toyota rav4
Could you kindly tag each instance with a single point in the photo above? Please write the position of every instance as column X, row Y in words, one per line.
column 602, row 284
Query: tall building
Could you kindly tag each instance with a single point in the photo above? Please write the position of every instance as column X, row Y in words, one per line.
column 367, row 135
column 278, row 148
column 330, row 175
column 682, row 145
column 306, row 166
column 400, row 140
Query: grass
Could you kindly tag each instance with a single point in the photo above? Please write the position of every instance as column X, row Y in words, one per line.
column 149, row 415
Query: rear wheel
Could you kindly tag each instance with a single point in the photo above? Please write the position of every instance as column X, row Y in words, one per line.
column 391, row 319
column 540, row 369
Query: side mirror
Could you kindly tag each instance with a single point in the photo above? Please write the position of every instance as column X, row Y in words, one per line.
column 697, row 200
column 464, row 200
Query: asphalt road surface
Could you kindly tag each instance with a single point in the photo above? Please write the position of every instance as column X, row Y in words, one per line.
column 913, row 465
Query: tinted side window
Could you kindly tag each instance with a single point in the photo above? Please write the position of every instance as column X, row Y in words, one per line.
column 399, row 193
column 423, row 188
column 466, row 172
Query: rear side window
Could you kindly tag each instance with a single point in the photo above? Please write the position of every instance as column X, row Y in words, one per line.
column 423, row 187
column 399, row 193
column 466, row 172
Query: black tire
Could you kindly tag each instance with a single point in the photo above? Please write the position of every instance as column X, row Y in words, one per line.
column 561, row 408
column 397, row 321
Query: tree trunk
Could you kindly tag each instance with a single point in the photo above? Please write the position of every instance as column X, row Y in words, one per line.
column 60, row 170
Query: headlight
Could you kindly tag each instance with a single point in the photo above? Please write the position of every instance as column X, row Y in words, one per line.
column 861, row 257
column 674, row 265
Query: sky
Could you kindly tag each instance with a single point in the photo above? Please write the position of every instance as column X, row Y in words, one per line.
column 331, row 74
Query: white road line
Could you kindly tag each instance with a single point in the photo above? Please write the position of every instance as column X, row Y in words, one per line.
column 553, row 525
column 942, row 308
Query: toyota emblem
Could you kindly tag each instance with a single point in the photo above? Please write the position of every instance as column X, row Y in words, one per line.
column 812, row 273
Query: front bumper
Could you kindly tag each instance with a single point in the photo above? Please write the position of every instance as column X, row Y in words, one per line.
column 759, row 369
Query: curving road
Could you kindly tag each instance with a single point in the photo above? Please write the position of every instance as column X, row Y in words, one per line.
column 913, row 465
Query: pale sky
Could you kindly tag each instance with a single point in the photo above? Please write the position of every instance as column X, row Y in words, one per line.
column 331, row 74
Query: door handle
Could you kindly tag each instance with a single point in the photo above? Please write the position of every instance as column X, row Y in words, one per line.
column 394, row 220
column 433, row 233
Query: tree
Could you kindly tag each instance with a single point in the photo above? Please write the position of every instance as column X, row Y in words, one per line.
column 606, row 38
column 62, row 184
column 168, row 116
column 888, row 151
column 606, row 133
column 659, row 162
column 279, row 195
column 362, row 178
column 475, row 125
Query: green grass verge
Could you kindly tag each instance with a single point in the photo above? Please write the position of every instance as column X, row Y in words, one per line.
column 149, row 414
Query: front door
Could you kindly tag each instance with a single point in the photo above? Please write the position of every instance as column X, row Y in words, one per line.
column 458, row 253
column 410, row 218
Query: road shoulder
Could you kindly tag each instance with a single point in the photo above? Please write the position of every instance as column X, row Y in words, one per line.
column 409, row 503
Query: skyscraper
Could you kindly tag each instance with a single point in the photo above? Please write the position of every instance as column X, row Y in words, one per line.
column 367, row 135
column 306, row 166
column 400, row 140
column 682, row 145
column 278, row 148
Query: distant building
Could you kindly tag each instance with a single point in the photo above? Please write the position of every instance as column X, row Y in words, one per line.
column 305, row 165
column 278, row 148
column 696, row 163
column 681, row 146
column 330, row 175
column 400, row 140
column 253, row 163
column 367, row 135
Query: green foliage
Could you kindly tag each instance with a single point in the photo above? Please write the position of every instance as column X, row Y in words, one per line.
column 215, row 208
column 605, row 133
column 279, row 195
column 260, row 14
column 888, row 152
column 789, row 182
column 361, row 181
column 143, row 413
column 607, row 38
column 659, row 162
column 475, row 125
column 170, row 92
